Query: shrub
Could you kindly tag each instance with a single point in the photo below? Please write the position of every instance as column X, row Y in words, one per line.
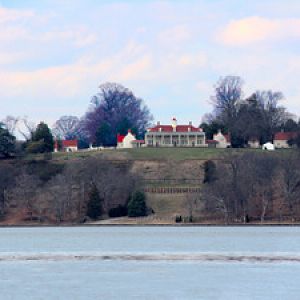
column 137, row 205
column 94, row 207
column 119, row 211
column 178, row 219
column 35, row 147
column 209, row 171
column 44, row 169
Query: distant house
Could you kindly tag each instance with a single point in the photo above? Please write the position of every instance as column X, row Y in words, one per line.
column 174, row 135
column 222, row 140
column 254, row 143
column 281, row 139
column 66, row 146
column 128, row 141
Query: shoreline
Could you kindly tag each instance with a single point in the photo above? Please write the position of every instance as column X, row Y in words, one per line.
column 149, row 225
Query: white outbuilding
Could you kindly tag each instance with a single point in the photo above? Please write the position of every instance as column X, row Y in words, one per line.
column 268, row 146
column 128, row 141
column 223, row 140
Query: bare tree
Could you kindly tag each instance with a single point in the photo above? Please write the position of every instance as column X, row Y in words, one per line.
column 115, row 109
column 290, row 184
column 245, row 185
column 26, row 128
column 228, row 92
column 80, row 176
column 265, row 168
column 66, row 127
column 193, row 201
column 7, row 181
column 76, row 181
column 24, row 191
column 273, row 115
column 103, row 174
column 59, row 196
column 10, row 123
column 218, row 195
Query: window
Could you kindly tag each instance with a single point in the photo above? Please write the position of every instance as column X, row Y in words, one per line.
column 199, row 140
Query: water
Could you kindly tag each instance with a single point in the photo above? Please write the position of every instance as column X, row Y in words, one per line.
column 150, row 263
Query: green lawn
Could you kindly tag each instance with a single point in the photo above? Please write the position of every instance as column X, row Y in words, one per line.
column 147, row 154
column 173, row 153
column 153, row 154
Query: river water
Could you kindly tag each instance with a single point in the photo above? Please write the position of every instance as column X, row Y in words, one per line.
column 150, row 263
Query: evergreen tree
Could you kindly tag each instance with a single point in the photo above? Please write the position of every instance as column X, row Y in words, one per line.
column 44, row 138
column 137, row 205
column 209, row 172
column 7, row 142
column 94, row 208
column 290, row 126
column 104, row 135
column 212, row 128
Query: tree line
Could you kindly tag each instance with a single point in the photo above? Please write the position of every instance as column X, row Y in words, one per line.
column 258, row 116
column 115, row 109
column 253, row 186
column 49, row 191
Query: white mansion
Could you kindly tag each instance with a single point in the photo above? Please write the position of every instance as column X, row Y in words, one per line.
column 175, row 135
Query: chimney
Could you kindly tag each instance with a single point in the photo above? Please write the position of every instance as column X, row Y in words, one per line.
column 174, row 123
column 158, row 123
column 190, row 123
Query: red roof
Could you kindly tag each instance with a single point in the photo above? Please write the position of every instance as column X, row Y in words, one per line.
column 120, row 138
column 285, row 136
column 69, row 143
column 211, row 142
column 179, row 128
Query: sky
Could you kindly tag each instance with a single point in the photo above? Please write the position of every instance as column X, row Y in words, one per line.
column 55, row 53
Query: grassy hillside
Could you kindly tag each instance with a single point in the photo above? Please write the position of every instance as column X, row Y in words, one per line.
column 48, row 184
column 175, row 154
column 164, row 154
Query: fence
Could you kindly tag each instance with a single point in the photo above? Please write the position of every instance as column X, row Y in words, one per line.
column 172, row 190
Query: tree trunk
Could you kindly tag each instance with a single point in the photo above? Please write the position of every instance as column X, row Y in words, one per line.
column 265, row 203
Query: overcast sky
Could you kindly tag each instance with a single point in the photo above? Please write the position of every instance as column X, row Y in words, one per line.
column 55, row 53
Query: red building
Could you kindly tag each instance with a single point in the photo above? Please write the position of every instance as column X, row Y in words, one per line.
column 66, row 146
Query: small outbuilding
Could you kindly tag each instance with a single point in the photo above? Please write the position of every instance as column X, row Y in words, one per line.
column 254, row 143
column 66, row 146
column 268, row 146
column 222, row 140
column 129, row 141
column 281, row 139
